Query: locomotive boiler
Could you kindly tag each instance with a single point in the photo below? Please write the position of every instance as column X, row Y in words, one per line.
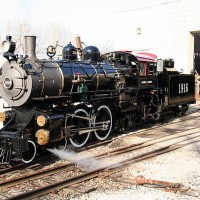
column 56, row 101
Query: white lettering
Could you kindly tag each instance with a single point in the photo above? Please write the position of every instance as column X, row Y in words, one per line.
column 146, row 82
column 183, row 88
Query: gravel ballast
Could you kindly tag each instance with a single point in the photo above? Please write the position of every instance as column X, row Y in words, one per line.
column 179, row 166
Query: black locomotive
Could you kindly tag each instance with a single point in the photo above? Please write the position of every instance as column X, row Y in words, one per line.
column 53, row 101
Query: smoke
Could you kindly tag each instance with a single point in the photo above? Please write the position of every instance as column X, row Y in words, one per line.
column 86, row 163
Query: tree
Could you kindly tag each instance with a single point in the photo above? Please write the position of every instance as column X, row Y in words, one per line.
column 106, row 46
column 57, row 34
column 19, row 29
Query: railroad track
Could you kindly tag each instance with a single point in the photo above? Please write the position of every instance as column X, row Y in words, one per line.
column 39, row 162
column 138, row 130
column 166, row 144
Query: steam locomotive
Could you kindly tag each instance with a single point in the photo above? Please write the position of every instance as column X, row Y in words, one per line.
column 56, row 101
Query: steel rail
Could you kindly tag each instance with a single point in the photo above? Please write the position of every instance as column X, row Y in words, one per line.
column 24, row 165
column 118, row 151
column 146, row 143
column 95, row 173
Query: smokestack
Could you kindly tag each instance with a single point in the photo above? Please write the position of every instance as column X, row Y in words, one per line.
column 30, row 46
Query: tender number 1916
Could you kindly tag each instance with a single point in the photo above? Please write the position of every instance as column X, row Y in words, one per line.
column 182, row 88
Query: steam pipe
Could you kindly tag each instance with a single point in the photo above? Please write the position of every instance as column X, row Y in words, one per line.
column 30, row 46
column 78, row 43
column 79, row 46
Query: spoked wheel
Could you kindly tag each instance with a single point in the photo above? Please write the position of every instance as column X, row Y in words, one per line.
column 104, row 119
column 29, row 155
column 78, row 140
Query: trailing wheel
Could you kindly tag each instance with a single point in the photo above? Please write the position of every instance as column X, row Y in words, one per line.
column 80, row 121
column 104, row 119
column 29, row 155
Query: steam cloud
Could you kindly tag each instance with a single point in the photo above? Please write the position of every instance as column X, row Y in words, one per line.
column 85, row 162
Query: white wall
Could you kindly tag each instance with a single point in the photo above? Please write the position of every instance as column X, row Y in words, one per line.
column 166, row 28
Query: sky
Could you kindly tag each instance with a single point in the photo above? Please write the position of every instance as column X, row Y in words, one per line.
column 93, row 20
column 96, row 21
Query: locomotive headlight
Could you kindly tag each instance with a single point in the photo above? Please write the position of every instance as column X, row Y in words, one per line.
column 8, row 46
column 5, row 46
column 41, row 120
column 2, row 116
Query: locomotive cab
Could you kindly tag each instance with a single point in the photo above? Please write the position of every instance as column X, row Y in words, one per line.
column 125, row 62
